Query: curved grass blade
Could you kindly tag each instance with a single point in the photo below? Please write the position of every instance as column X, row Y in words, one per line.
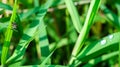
column 95, row 61
column 111, row 16
column 8, row 35
column 74, row 15
column 102, row 46
column 88, row 22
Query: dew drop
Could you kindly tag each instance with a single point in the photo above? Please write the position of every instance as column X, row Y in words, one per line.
column 103, row 42
column 110, row 36
column 21, row 49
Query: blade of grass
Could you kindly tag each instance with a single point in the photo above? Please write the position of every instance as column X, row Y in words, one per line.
column 19, row 25
column 88, row 22
column 72, row 33
column 34, row 29
column 92, row 62
column 74, row 15
column 27, row 37
column 8, row 36
column 43, row 43
column 47, row 58
column 113, row 18
column 99, row 47
column 29, row 13
column 43, row 40
column 36, row 9
column 117, row 6
column 5, row 6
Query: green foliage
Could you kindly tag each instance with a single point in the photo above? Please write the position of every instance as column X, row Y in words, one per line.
column 59, row 33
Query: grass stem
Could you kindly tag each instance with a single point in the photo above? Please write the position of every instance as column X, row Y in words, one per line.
column 8, row 36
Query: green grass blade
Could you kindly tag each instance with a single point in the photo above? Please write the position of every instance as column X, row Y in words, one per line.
column 29, row 13
column 92, row 62
column 47, row 4
column 19, row 25
column 102, row 46
column 74, row 15
column 27, row 37
column 70, row 28
column 43, row 43
column 33, row 30
column 5, row 6
column 43, row 40
column 117, row 6
column 8, row 36
column 36, row 9
column 47, row 58
column 115, row 20
column 88, row 22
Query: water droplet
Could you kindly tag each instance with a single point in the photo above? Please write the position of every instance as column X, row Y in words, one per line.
column 110, row 36
column 103, row 42
column 21, row 49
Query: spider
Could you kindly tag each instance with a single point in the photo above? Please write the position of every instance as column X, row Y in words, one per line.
column 14, row 26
